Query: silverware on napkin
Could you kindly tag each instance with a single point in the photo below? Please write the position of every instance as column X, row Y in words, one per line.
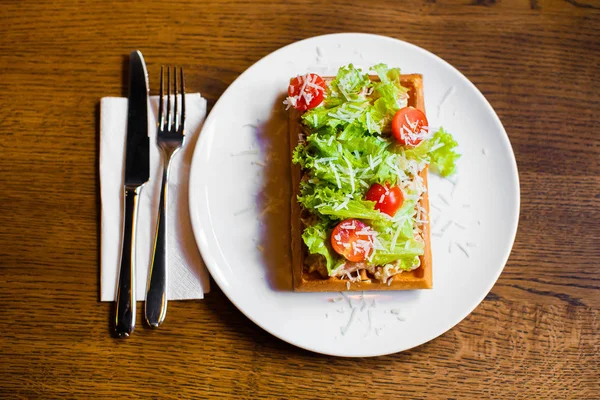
column 137, row 172
column 169, row 138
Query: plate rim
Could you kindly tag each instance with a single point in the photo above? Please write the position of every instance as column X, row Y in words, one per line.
column 200, row 232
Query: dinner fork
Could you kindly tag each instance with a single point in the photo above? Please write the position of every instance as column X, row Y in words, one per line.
column 170, row 138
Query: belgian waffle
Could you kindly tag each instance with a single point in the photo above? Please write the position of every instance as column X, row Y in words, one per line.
column 420, row 278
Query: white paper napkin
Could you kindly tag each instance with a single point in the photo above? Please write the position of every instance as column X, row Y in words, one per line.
column 187, row 275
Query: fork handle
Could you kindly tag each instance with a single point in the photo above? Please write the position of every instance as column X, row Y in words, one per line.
column 125, row 306
column 156, row 292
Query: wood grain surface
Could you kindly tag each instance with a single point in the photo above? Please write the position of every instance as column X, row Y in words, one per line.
column 535, row 336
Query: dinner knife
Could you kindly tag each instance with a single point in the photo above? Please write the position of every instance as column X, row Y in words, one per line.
column 137, row 172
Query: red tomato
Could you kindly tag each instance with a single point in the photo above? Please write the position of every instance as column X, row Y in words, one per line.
column 409, row 126
column 388, row 199
column 352, row 239
column 306, row 91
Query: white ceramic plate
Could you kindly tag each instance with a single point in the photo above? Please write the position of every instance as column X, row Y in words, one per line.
column 239, row 204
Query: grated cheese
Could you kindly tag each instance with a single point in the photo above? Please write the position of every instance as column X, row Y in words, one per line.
column 324, row 159
column 304, row 79
column 395, row 238
column 351, row 173
column 377, row 244
column 444, row 199
column 459, row 225
column 369, row 122
column 443, row 99
column 463, row 249
column 242, row 211
column 438, row 145
column 342, row 115
column 367, row 232
column 344, row 204
column 337, row 176
column 447, row 226
column 452, row 181
column 344, row 330
column 290, row 101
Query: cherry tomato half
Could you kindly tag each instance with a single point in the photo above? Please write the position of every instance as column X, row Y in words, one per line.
column 409, row 126
column 352, row 239
column 388, row 199
column 306, row 91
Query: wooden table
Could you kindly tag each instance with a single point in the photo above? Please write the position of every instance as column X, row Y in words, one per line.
column 536, row 335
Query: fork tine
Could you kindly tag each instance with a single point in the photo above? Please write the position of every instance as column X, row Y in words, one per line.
column 182, row 100
column 169, row 116
column 161, row 117
column 175, row 114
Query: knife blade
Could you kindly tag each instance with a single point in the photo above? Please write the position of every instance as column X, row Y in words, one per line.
column 137, row 172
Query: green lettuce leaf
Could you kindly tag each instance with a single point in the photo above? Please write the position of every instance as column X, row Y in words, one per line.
column 350, row 161
column 389, row 90
column 316, row 239
column 406, row 249
column 348, row 103
column 333, row 204
column 348, row 85
column 439, row 151
column 401, row 225
column 443, row 159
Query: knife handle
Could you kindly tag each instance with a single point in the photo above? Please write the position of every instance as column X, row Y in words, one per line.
column 155, row 305
column 125, row 307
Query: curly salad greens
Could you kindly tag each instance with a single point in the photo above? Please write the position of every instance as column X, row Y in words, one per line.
column 362, row 150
